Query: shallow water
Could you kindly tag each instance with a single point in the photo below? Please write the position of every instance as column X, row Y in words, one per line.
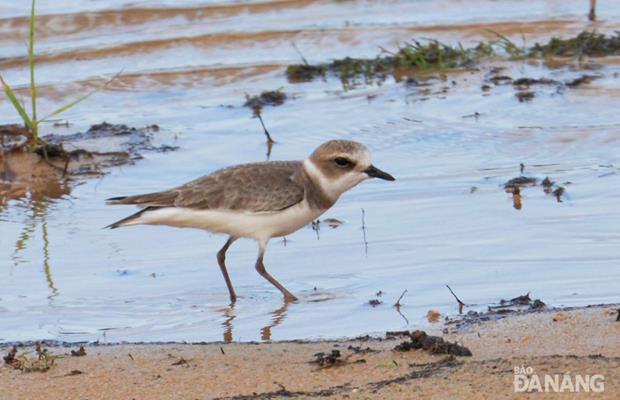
column 187, row 67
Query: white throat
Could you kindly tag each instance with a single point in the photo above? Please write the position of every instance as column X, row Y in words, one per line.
column 333, row 188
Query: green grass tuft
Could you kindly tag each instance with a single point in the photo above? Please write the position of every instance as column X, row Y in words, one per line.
column 508, row 46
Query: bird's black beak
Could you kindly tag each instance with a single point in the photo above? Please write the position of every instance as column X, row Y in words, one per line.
column 375, row 172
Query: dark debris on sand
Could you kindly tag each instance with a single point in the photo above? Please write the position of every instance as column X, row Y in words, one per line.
column 433, row 344
column 78, row 353
column 328, row 359
column 523, row 300
column 361, row 350
column 10, row 358
column 521, row 304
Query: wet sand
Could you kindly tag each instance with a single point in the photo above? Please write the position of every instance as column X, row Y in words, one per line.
column 574, row 341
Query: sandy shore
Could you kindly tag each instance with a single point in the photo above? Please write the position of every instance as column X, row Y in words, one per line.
column 576, row 342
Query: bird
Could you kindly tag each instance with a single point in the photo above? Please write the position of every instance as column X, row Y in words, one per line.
column 259, row 200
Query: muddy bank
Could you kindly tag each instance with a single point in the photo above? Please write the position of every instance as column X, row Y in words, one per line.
column 49, row 171
column 577, row 341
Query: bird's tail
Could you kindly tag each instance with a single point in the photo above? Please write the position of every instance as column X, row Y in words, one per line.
column 162, row 199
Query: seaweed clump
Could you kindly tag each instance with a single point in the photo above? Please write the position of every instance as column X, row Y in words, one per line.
column 585, row 44
column 412, row 57
column 415, row 57
column 347, row 69
column 298, row 73
column 266, row 98
column 376, row 69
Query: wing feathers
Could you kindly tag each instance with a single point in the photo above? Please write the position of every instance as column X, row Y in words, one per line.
column 270, row 186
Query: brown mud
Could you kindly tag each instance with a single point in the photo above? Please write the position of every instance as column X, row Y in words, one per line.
column 62, row 160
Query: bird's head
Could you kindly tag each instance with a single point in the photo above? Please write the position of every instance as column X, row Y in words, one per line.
column 338, row 165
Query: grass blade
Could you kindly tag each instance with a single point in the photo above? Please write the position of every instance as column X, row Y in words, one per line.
column 13, row 99
column 79, row 99
column 68, row 105
column 33, row 88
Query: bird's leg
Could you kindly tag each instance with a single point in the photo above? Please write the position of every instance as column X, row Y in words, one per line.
column 260, row 267
column 221, row 258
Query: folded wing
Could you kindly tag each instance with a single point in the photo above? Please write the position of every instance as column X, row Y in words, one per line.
column 259, row 187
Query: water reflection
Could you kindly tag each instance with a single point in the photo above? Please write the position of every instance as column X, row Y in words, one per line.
column 39, row 210
column 269, row 141
column 364, row 232
column 24, row 175
column 277, row 317
column 24, row 237
column 46, row 257
column 228, row 313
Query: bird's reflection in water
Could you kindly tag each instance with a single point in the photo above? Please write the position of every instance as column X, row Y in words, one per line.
column 229, row 314
column 277, row 316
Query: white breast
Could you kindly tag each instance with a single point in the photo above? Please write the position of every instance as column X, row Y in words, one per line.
column 260, row 226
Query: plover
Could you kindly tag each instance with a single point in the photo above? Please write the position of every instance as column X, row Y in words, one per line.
column 259, row 200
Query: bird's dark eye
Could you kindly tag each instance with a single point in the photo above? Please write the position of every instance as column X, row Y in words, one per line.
column 341, row 161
